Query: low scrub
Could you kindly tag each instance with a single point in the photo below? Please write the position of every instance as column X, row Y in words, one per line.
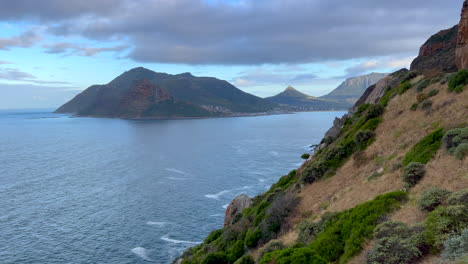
column 413, row 173
column 458, row 198
column 425, row 149
column 456, row 246
column 270, row 247
column 456, row 142
column 396, row 243
column 458, row 81
column 431, row 198
column 247, row 259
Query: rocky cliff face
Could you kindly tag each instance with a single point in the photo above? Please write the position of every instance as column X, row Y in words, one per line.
column 235, row 207
column 438, row 53
column 462, row 39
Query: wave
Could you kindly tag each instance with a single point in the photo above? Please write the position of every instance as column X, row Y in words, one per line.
column 216, row 196
column 225, row 206
column 175, row 241
column 141, row 252
column 156, row 223
column 175, row 178
column 274, row 153
column 216, row 215
column 175, row 170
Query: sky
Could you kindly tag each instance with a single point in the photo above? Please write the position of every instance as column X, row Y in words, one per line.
column 51, row 50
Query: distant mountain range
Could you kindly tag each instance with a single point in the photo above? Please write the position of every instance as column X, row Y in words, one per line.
column 294, row 100
column 351, row 89
column 142, row 93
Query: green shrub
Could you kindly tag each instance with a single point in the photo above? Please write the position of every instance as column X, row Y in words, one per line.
column 305, row 156
column 374, row 176
column 444, row 221
column 247, row 259
column 433, row 92
column 252, row 237
column 461, row 151
column 458, row 81
column 374, row 110
column 236, row 251
column 403, row 87
column 216, row 258
column 213, row 236
column 410, row 75
column 363, row 137
column 293, row 256
column 431, row 198
column 456, row 246
column 458, row 198
column 414, row 107
column 413, row 173
column 396, row 243
column 425, row 149
column 422, row 85
column 270, row 247
column 362, row 108
column 421, row 97
column 313, row 171
column 427, row 104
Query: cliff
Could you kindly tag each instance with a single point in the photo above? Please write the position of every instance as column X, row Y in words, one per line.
column 462, row 39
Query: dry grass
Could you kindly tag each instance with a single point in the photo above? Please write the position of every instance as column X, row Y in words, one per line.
column 400, row 130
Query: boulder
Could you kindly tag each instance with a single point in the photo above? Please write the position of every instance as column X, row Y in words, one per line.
column 235, row 207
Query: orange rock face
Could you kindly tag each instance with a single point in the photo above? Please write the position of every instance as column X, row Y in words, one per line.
column 462, row 40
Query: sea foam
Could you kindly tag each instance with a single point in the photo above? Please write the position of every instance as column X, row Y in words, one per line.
column 141, row 252
column 175, row 241
column 216, row 196
column 175, row 170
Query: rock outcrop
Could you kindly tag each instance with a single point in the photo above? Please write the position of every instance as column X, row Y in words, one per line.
column 438, row 53
column 462, row 39
column 236, row 206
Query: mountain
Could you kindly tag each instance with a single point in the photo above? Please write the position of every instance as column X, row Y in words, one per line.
column 294, row 100
column 351, row 89
column 388, row 183
column 142, row 93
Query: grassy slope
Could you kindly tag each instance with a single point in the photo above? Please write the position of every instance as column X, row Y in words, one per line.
column 400, row 130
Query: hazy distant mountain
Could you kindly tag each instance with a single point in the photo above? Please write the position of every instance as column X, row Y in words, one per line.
column 297, row 101
column 142, row 93
column 351, row 89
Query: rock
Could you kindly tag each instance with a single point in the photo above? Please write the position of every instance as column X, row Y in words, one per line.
column 438, row 53
column 462, row 39
column 235, row 207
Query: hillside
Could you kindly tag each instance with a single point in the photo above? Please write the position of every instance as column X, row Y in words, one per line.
column 351, row 89
column 294, row 100
column 142, row 93
column 388, row 183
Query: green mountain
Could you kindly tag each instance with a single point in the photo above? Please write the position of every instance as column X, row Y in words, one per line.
column 142, row 93
column 351, row 89
column 294, row 100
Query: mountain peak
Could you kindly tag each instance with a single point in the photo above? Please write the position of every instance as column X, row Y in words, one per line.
column 290, row 88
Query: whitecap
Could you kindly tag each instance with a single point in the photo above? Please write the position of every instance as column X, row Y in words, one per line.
column 175, row 170
column 175, row 241
column 216, row 196
column 160, row 224
column 216, row 215
column 175, row 178
column 225, row 206
column 262, row 180
column 274, row 153
column 141, row 252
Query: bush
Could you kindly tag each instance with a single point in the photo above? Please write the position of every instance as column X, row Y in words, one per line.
column 444, row 221
column 363, row 137
column 413, row 173
column 433, row 92
column 427, row 104
column 247, row 259
column 456, row 247
column 414, row 107
column 461, row 151
column 374, row 176
column 458, row 81
column 313, row 171
column 270, row 247
column 431, row 198
column 216, row 258
column 425, row 149
column 374, row 110
column 458, row 198
column 403, row 87
column 410, row 75
column 421, row 97
column 293, row 256
column 396, row 243
column 213, row 236
column 305, row 156
column 252, row 237
column 422, row 85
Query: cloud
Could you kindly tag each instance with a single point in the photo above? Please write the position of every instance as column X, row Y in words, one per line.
column 25, row 40
column 247, row 32
column 382, row 64
column 10, row 74
column 263, row 76
column 74, row 49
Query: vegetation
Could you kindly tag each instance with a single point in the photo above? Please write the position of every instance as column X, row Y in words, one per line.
column 456, row 142
column 458, row 81
column 425, row 149
column 403, row 87
column 460, row 197
column 432, row 93
column 413, row 173
column 414, row 107
column 270, row 247
column 305, row 156
column 427, row 104
column 431, row 198
column 247, row 259
column 422, row 85
column 343, row 235
column 456, row 246
column 396, row 243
